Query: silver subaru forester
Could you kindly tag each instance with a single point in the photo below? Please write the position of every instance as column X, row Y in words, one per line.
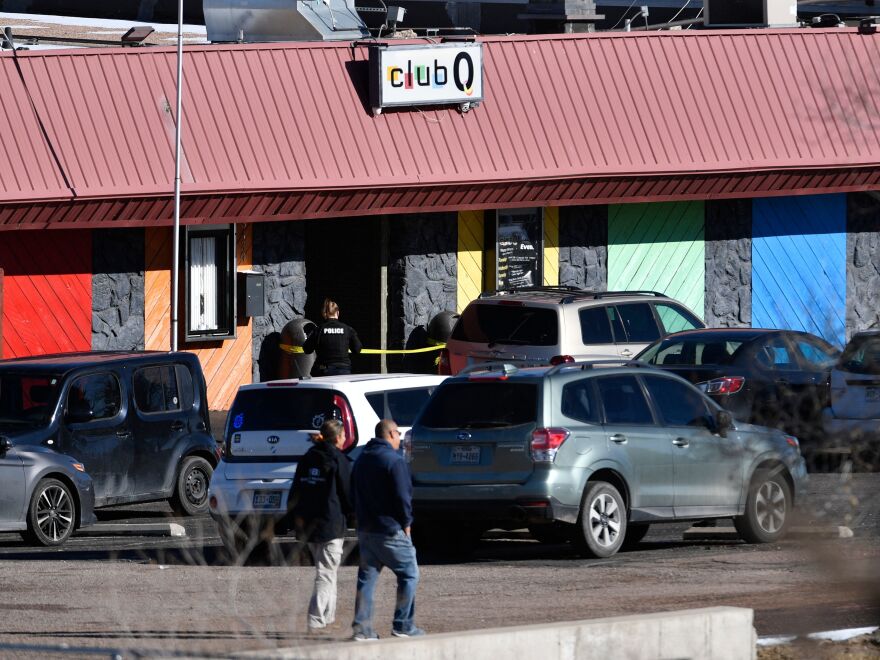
column 594, row 452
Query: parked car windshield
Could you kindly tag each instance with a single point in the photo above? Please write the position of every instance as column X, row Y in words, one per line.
column 692, row 352
column 862, row 355
column 473, row 405
column 27, row 399
column 508, row 324
column 276, row 409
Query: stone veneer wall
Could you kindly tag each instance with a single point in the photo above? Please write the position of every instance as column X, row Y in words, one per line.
column 117, row 289
column 421, row 280
column 279, row 253
column 583, row 247
column 862, row 262
column 728, row 236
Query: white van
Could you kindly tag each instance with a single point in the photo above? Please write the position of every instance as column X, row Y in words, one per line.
column 270, row 427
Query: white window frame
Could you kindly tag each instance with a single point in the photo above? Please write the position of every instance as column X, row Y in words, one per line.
column 210, row 266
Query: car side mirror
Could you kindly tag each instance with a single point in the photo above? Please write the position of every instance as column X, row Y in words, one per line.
column 79, row 414
column 5, row 444
column 723, row 422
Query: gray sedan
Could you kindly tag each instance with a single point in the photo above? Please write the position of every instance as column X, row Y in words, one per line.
column 43, row 494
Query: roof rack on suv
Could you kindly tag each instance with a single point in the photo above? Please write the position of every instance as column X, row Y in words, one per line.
column 572, row 293
column 608, row 294
column 561, row 288
column 597, row 295
column 589, row 364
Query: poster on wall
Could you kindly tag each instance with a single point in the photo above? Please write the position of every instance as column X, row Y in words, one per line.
column 520, row 255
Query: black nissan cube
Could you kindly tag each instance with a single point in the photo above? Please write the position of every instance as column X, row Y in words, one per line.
column 137, row 421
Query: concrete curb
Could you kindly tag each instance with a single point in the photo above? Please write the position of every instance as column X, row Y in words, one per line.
column 713, row 633
column 797, row 532
column 133, row 529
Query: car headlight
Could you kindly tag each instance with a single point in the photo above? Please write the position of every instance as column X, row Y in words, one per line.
column 79, row 467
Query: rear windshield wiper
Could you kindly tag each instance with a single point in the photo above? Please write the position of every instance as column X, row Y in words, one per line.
column 509, row 340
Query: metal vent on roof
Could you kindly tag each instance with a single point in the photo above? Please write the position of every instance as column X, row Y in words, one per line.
column 282, row 20
column 750, row 13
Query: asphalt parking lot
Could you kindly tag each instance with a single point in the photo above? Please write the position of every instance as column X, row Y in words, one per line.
column 178, row 594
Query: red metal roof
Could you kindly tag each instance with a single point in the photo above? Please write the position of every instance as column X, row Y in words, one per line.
column 288, row 124
column 27, row 168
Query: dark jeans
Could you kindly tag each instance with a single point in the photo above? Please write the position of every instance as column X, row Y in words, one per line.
column 398, row 554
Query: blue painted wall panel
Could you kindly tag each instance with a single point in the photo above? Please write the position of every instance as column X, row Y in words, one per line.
column 799, row 264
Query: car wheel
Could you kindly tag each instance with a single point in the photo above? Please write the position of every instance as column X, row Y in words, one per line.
column 601, row 526
column 768, row 509
column 553, row 534
column 635, row 532
column 51, row 516
column 191, row 491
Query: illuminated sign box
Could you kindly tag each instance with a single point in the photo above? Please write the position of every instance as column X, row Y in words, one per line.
column 434, row 74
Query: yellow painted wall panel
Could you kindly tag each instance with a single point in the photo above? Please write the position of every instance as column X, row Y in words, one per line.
column 551, row 246
column 470, row 257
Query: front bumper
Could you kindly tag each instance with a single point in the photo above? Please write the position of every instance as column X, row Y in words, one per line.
column 86, row 492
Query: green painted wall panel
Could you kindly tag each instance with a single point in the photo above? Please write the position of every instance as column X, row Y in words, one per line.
column 658, row 247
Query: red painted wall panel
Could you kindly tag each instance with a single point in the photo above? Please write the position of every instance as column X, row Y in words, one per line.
column 47, row 292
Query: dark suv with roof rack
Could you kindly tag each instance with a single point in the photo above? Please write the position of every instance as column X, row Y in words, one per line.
column 549, row 325
column 594, row 452
column 138, row 421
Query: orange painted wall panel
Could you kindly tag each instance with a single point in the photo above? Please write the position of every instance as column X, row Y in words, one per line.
column 227, row 364
column 47, row 292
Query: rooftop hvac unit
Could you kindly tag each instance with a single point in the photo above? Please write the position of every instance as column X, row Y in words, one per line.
column 282, row 20
column 750, row 13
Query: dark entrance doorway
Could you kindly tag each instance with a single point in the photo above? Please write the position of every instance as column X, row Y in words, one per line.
column 343, row 262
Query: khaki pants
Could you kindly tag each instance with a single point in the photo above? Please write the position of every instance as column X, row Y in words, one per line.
column 327, row 557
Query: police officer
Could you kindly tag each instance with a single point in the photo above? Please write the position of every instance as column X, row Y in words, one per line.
column 333, row 341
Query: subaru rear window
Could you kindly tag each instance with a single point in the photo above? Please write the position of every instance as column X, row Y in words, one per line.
column 470, row 405
column 276, row 409
column 508, row 324
column 400, row 405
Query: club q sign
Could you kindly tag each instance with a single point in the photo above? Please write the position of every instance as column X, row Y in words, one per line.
column 434, row 74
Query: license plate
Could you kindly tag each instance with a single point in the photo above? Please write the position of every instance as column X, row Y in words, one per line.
column 872, row 394
column 465, row 455
column 270, row 500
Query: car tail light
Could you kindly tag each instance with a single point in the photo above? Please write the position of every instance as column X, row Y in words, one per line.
column 443, row 366
column 561, row 359
column 725, row 385
column 406, row 446
column 347, row 419
column 546, row 442
column 793, row 441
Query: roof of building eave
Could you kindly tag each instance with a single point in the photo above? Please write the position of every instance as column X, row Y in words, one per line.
column 556, row 106
column 28, row 170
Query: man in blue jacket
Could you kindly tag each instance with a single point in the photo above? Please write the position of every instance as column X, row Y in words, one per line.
column 382, row 493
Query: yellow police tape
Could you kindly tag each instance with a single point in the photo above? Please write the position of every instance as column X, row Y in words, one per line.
column 295, row 350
